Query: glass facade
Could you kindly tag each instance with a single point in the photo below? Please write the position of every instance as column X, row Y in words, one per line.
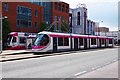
column 24, row 16
column 47, row 9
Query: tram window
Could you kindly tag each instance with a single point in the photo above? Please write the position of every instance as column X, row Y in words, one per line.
column 22, row 40
column 14, row 39
column 41, row 40
column 92, row 41
column 60, row 41
column 66, row 42
column 110, row 41
column 45, row 40
column 80, row 41
column 103, row 41
column 9, row 39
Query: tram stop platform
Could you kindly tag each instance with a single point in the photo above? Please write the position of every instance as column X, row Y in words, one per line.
column 8, row 52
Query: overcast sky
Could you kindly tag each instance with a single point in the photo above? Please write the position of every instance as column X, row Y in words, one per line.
column 100, row 10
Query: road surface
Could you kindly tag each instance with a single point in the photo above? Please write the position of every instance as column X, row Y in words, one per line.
column 59, row 66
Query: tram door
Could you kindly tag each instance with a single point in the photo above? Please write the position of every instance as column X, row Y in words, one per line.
column 54, row 44
column 105, row 43
column 100, row 42
column 89, row 42
column 75, row 43
column 85, row 43
column 29, row 42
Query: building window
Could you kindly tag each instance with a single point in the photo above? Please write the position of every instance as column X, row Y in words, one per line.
column 85, row 18
column 36, row 25
column 36, row 13
column 18, row 10
column 87, row 26
column 29, row 24
column 78, row 18
column 24, row 23
column 59, row 7
column 5, row 6
column 63, row 7
column 55, row 6
column 18, row 23
column 29, row 12
column 67, row 9
column 24, row 16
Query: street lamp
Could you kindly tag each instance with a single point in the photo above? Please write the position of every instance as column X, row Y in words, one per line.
column 70, row 24
column 5, row 17
column 99, row 29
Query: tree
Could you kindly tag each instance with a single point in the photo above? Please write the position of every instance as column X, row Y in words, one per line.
column 43, row 26
column 5, row 30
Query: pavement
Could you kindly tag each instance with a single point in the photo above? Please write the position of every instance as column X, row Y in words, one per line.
column 74, row 65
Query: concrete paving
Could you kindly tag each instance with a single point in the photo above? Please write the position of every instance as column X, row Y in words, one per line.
column 7, row 55
column 108, row 71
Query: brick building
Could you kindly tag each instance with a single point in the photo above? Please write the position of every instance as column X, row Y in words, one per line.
column 101, row 29
column 23, row 16
column 54, row 10
column 60, row 11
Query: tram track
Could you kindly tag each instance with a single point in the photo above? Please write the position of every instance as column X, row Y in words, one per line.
column 29, row 55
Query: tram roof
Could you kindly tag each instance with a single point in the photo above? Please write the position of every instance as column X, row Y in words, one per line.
column 68, row 34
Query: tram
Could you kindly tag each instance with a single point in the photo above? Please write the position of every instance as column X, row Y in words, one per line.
column 18, row 40
column 53, row 42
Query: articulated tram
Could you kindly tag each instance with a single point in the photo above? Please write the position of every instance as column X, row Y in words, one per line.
column 53, row 42
column 20, row 40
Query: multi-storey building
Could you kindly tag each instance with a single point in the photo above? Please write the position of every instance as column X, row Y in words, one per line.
column 79, row 19
column 47, row 9
column 23, row 16
column 101, row 29
column 29, row 15
column 54, row 11
column 60, row 11
column 114, row 34
column 91, row 27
